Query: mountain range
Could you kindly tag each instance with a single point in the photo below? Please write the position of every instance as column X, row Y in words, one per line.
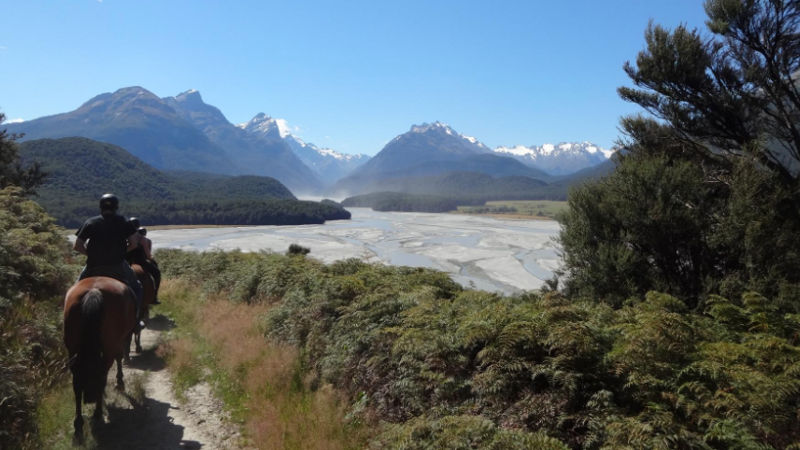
column 184, row 133
column 562, row 159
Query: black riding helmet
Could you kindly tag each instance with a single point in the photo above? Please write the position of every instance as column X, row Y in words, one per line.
column 142, row 231
column 109, row 203
column 135, row 222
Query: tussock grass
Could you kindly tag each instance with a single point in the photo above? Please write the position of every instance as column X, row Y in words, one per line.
column 260, row 382
column 54, row 418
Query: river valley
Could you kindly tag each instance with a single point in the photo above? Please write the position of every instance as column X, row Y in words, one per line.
column 492, row 254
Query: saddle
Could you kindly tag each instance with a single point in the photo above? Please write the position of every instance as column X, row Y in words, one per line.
column 111, row 271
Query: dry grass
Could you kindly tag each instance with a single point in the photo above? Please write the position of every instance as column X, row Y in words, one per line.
column 282, row 412
column 260, row 381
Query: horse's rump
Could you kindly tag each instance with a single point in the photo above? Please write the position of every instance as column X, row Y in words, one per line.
column 99, row 313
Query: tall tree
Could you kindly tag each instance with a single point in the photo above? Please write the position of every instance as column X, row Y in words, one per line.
column 734, row 94
column 11, row 170
column 706, row 197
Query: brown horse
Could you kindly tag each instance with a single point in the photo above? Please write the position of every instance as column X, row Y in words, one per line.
column 99, row 317
column 148, row 297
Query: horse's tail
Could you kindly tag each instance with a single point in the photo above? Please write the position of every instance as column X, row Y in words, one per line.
column 90, row 355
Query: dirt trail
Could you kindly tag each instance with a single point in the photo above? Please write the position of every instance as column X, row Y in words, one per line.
column 154, row 418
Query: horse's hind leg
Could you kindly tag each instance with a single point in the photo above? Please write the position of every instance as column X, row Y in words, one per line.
column 128, row 347
column 120, row 382
column 98, row 410
column 138, row 338
column 78, row 422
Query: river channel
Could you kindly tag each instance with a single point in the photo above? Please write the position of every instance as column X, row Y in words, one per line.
column 492, row 254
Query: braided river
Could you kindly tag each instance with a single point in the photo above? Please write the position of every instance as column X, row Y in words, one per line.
column 496, row 255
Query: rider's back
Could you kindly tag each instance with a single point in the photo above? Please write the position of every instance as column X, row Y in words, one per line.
column 106, row 239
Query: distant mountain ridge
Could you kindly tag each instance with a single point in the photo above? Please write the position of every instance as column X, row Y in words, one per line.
column 329, row 165
column 184, row 133
column 175, row 133
column 140, row 122
column 431, row 149
column 254, row 154
column 561, row 159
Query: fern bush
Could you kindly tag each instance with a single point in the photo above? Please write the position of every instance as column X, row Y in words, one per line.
column 35, row 270
column 447, row 367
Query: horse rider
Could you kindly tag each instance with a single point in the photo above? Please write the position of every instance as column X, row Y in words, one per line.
column 143, row 256
column 105, row 239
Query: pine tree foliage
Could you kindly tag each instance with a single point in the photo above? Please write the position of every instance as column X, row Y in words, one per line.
column 12, row 172
column 706, row 196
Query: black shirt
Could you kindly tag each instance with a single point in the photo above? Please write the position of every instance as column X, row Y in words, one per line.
column 106, row 237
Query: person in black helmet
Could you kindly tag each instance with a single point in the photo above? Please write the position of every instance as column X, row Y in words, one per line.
column 105, row 239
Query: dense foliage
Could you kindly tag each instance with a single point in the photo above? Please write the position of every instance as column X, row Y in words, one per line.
column 80, row 170
column 12, row 171
column 450, row 367
column 706, row 198
column 35, row 270
column 398, row 201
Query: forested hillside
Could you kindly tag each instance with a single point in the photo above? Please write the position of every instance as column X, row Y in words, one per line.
column 442, row 193
column 80, row 170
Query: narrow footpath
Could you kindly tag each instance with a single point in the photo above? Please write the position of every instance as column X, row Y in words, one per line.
column 149, row 416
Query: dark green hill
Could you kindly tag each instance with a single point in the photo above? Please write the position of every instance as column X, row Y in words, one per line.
column 439, row 193
column 80, row 167
column 80, row 170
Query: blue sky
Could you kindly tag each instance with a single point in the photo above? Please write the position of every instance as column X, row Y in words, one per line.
column 349, row 75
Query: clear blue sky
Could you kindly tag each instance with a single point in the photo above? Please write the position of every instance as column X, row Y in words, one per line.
column 349, row 75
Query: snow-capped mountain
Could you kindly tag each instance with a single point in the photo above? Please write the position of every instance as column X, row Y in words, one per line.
column 266, row 126
column 560, row 159
column 440, row 127
column 328, row 164
column 432, row 149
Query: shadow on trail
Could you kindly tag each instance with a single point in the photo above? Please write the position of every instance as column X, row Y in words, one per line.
column 136, row 421
column 160, row 322
column 147, row 360
column 146, row 425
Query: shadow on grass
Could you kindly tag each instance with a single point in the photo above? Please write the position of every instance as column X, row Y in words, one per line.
column 160, row 322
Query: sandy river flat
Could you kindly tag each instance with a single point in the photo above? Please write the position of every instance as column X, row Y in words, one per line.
column 488, row 253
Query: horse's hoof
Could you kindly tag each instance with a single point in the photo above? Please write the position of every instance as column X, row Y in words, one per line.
column 138, row 349
column 77, row 424
column 77, row 438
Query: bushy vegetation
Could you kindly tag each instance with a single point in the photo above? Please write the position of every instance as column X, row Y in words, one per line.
column 679, row 324
column 440, row 363
column 706, row 197
column 80, row 170
column 35, row 270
